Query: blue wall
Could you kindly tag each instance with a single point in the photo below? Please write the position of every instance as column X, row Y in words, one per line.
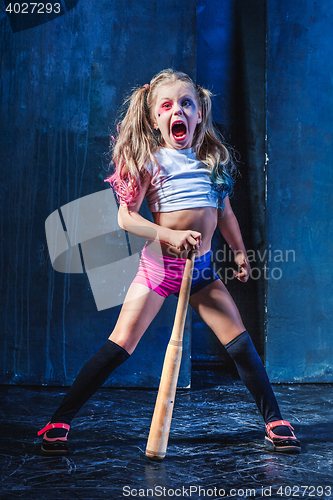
column 299, row 198
column 61, row 86
column 231, row 63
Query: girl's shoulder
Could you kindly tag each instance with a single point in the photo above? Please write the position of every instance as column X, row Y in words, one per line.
column 153, row 165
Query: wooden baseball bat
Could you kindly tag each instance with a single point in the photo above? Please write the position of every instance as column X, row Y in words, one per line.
column 161, row 421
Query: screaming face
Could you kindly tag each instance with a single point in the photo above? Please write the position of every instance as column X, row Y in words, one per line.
column 176, row 114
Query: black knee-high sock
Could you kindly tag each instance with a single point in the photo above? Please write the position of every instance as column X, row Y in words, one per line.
column 91, row 377
column 252, row 372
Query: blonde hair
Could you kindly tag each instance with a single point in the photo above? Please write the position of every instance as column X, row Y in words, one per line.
column 137, row 140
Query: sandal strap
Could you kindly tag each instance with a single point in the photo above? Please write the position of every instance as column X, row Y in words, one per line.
column 278, row 422
column 50, row 426
column 271, row 425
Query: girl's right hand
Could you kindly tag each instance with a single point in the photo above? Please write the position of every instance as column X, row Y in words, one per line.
column 184, row 240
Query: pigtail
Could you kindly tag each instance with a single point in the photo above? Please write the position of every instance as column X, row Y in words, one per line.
column 211, row 150
column 133, row 148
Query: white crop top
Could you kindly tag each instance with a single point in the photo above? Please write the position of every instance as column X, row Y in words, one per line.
column 183, row 182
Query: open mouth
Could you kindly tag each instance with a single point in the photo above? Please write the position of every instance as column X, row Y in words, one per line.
column 179, row 131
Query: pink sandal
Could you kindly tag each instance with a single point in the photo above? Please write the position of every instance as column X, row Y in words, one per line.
column 287, row 444
column 57, row 445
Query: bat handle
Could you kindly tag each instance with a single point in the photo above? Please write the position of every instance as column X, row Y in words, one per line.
column 183, row 299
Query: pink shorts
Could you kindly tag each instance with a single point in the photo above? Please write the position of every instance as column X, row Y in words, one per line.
column 164, row 274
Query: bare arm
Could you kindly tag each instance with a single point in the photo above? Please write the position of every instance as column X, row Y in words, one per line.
column 130, row 220
column 229, row 228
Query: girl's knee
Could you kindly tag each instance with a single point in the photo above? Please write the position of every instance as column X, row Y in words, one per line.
column 233, row 336
column 127, row 342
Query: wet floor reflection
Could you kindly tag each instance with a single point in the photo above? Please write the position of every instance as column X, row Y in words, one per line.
column 216, row 447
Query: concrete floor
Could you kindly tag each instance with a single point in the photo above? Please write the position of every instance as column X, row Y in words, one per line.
column 216, row 446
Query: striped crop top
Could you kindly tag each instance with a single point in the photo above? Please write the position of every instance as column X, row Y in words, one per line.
column 183, row 182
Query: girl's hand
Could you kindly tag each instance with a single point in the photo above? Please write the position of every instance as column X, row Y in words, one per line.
column 184, row 240
column 245, row 269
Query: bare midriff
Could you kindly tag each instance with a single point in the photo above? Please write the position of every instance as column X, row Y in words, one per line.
column 203, row 220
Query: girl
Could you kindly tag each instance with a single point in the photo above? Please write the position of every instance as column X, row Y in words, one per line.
column 168, row 152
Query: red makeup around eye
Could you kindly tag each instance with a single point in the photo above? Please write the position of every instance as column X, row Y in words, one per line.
column 164, row 107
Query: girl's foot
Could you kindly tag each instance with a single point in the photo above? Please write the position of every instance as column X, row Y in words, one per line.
column 55, row 439
column 281, row 436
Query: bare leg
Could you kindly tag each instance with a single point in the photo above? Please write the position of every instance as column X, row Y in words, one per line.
column 216, row 307
column 139, row 309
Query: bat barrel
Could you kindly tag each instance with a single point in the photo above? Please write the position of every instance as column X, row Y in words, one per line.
column 161, row 422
